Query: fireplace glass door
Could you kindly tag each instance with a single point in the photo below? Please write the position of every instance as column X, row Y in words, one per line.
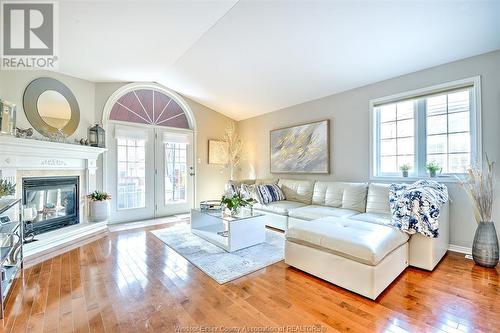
column 50, row 203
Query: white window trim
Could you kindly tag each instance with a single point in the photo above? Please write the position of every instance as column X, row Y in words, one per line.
column 476, row 125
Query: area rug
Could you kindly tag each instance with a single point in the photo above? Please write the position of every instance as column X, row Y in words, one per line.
column 220, row 265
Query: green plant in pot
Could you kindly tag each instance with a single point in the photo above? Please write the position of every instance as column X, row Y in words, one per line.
column 404, row 169
column 98, row 206
column 433, row 168
column 6, row 188
column 480, row 186
column 235, row 203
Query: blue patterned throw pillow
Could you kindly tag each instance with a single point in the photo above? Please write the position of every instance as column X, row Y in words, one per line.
column 267, row 193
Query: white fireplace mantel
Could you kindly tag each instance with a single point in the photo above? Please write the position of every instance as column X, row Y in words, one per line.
column 18, row 154
column 18, row 148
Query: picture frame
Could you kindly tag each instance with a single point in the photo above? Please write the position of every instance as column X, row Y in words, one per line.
column 301, row 149
column 217, row 152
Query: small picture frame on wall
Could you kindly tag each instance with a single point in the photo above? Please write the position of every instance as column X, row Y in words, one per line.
column 301, row 148
column 217, row 152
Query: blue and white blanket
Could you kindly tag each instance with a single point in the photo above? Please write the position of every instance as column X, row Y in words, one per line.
column 416, row 207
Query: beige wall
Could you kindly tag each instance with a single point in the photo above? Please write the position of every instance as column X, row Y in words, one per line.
column 349, row 115
column 13, row 84
column 210, row 179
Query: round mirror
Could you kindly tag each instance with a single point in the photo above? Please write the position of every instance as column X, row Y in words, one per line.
column 51, row 107
column 54, row 109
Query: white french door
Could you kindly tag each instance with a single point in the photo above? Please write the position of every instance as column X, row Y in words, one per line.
column 174, row 171
column 149, row 172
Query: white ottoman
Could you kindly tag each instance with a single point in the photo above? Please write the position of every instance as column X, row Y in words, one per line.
column 359, row 256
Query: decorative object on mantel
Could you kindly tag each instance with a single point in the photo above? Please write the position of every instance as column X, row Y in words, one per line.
column 83, row 142
column 7, row 117
column 301, row 148
column 24, row 133
column 404, row 169
column 217, row 152
column 99, row 206
column 58, row 136
column 7, row 188
column 97, row 136
column 233, row 146
column 51, row 108
column 433, row 168
column 235, row 203
column 480, row 186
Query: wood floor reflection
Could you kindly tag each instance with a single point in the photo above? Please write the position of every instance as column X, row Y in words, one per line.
column 129, row 281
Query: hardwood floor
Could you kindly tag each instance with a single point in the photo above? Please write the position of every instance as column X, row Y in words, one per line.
column 129, row 281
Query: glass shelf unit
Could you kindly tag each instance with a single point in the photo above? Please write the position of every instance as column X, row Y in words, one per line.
column 11, row 246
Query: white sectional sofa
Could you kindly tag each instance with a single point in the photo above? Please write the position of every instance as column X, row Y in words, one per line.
column 340, row 232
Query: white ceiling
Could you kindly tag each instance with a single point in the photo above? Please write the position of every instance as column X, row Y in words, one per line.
column 245, row 58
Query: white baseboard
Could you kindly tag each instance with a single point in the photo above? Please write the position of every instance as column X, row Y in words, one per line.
column 460, row 249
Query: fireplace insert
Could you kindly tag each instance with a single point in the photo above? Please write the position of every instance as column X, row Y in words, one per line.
column 50, row 203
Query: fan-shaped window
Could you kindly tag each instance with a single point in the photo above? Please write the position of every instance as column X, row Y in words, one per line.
column 148, row 106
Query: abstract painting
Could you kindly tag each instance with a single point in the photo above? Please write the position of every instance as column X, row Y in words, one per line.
column 301, row 148
column 217, row 152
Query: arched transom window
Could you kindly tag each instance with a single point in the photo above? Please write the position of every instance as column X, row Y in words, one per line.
column 149, row 106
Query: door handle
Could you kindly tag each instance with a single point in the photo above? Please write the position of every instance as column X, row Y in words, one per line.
column 191, row 173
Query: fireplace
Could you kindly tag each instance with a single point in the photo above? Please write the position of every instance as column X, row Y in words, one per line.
column 50, row 203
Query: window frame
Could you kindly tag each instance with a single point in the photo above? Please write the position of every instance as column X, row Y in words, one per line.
column 420, row 134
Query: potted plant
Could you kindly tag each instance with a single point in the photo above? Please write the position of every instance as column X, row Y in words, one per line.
column 480, row 186
column 235, row 203
column 7, row 188
column 98, row 206
column 404, row 169
column 433, row 168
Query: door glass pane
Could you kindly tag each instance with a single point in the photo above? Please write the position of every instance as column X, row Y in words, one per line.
column 175, row 172
column 131, row 174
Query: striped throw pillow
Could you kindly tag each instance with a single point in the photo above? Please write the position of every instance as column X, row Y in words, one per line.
column 267, row 193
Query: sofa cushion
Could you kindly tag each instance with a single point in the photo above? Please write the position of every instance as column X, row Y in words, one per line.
column 363, row 242
column 261, row 181
column 297, row 190
column 354, row 196
column 314, row 212
column 377, row 200
column 278, row 207
column 378, row 218
column 328, row 193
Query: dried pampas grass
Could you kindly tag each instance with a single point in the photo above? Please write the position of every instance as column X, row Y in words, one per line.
column 480, row 186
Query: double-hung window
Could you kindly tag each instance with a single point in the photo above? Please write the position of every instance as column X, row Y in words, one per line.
column 439, row 125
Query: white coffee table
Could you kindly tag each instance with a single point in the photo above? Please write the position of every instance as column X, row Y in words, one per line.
column 230, row 233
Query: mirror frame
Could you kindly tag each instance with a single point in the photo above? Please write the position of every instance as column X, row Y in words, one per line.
column 30, row 104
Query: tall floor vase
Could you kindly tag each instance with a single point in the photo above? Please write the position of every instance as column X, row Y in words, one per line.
column 485, row 247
